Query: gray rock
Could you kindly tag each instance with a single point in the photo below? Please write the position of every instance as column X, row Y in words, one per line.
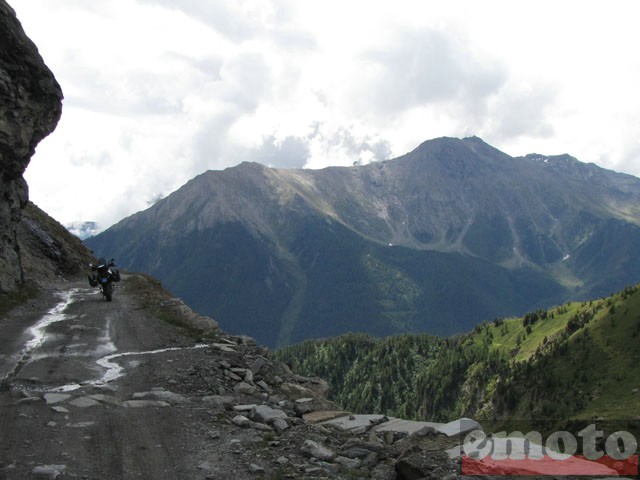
column 101, row 397
column 304, row 400
column 49, row 471
column 461, row 426
column 253, row 468
column 330, row 468
column 28, row 400
column 84, row 402
column 241, row 421
column 244, row 388
column 244, row 408
column 257, row 365
column 219, row 402
column 316, row 450
column 261, row 426
column 59, row 409
column 164, row 395
column 350, row 463
column 266, row 414
column 80, row 424
column 303, row 405
column 206, row 465
column 280, row 425
column 313, row 471
column 53, row 398
column 262, row 384
column 144, row 403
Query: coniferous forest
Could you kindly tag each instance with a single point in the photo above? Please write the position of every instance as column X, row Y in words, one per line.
column 544, row 370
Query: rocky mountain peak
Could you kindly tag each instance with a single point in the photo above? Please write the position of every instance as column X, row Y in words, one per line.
column 401, row 238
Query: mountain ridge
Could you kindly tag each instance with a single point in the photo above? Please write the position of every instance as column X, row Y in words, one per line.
column 331, row 246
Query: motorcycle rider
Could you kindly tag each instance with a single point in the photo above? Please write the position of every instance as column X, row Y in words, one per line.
column 104, row 276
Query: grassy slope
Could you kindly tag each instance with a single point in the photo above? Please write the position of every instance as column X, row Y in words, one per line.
column 601, row 356
column 575, row 362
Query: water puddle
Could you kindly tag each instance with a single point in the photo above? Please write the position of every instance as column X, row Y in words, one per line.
column 103, row 354
column 36, row 334
column 114, row 370
column 56, row 314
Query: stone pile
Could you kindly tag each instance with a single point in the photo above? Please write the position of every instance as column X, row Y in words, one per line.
column 278, row 423
column 263, row 420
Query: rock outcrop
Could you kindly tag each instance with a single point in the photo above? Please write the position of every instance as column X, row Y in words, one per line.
column 30, row 107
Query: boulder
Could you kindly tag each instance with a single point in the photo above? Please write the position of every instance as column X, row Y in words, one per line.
column 266, row 414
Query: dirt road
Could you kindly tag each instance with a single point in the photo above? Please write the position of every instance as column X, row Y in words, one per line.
column 76, row 374
column 123, row 390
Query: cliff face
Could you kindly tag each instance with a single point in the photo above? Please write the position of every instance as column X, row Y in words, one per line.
column 30, row 107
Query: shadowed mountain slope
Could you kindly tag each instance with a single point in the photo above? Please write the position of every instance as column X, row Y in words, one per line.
column 451, row 234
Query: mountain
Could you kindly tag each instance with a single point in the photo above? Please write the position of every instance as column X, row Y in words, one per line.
column 438, row 240
column 572, row 363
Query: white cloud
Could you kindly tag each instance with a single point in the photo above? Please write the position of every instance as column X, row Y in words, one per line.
column 427, row 67
column 158, row 91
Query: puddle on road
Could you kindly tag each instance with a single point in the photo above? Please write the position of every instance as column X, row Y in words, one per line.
column 105, row 349
column 115, row 370
column 37, row 334
column 54, row 315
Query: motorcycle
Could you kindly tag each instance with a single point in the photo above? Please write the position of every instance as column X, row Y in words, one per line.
column 105, row 277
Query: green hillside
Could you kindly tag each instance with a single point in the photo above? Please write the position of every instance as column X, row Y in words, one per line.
column 547, row 369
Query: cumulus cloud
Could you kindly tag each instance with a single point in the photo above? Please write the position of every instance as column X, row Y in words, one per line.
column 344, row 146
column 242, row 20
column 244, row 80
column 158, row 91
column 428, row 67
column 521, row 111
column 289, row 152
column 630, row 159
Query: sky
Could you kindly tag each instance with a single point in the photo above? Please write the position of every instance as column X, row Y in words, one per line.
column 159, row 91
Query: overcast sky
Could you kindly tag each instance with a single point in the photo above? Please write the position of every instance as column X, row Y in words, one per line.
column 159, row 91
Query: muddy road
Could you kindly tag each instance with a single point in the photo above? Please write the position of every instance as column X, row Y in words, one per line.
column 84, row 390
